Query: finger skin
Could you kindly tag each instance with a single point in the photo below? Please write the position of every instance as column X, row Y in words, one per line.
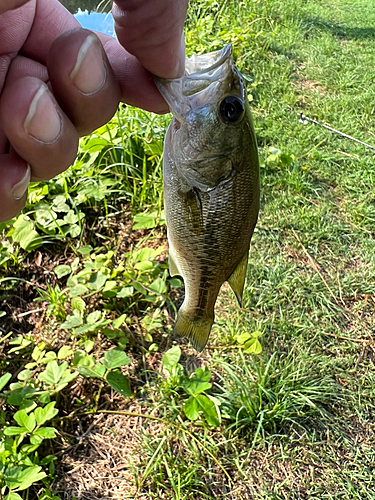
column 136, row 83
column 51, row 19
column 87, row 111
column 46, row 159
column 43, row 21
column 152, row 31
column 6, row 5
column 12, row 170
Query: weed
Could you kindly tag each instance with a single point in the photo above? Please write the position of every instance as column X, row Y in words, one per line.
column 284, row 406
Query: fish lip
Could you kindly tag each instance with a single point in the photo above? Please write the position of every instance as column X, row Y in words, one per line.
column 207, row 68
column 192, row 73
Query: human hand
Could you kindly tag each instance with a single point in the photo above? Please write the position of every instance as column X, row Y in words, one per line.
column 58, row 81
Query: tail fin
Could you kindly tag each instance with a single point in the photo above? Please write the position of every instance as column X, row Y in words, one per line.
column 196, row 329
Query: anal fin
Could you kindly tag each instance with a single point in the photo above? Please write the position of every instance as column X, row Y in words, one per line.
column 237, row 279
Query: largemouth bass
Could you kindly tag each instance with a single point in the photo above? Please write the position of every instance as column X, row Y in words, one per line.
column 211, row 186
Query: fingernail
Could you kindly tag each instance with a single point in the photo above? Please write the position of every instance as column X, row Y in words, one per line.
column 20, row 188
column 89, row 73
column 43, row 121
column 180, row 66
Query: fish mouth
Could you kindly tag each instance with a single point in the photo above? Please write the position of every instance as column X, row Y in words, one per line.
column 206, row 77
column 206, row 68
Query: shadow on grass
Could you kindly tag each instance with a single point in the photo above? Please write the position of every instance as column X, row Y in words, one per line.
column 312, row 24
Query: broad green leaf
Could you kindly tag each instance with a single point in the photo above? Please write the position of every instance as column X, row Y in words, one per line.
column 15, row 398
column 140, row 288
column 74, row 230
column 23, row 479
column 119, row 383
column 97, row 281
column 27, row 404
column 14, row 431
column 110, row 286
column 37, row 354
column 75, row 264
column 210, row 410
column 175, row 282
column 142, row 254
column 85, row 250
column 67, row 377
column 12, row 496
column 145, row 265
column 53, row 372
column 25, row 234
column 171, row 358
column 46, row 413
column 44, row 398
column 49, row 356
column 88, row 345
column 25, row 420
column 95, row 144
column 88, row 372
column 191, row 408
column 2, row 313
column 243, row 337
column 94, row 317
column 46, row 432
column 145, row 221
column 114, row 359
column 72, row 321
column 64, row 352
column 70, row 218
column 253, row 346
column 199, row 382
column 158, row 286
column 11, row 474
column 78, row 304
column 36, row 440
column 126, row 291
column 20, row 342
column 62, row 270
column 97, row 371
column 59, row 204
column 4, row 380
column 81, row 359
column 24, row 375
column 77, row 290
column 119, row 321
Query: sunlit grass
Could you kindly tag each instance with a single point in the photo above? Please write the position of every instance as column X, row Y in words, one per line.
column 297, row 420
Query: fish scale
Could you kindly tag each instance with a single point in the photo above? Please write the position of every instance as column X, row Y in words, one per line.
column 211, row 187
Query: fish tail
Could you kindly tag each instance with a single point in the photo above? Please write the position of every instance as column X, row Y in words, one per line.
column 195, row 328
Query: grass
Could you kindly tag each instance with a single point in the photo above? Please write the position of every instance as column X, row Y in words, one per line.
column 295, row 421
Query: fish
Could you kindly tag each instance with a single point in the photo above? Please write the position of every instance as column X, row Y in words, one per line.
column 211, row 186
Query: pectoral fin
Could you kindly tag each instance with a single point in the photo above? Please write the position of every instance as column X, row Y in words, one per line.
column 174, row 269
column 193, row 204
column 237, row 278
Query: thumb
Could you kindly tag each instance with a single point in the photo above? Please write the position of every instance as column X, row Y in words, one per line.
column 6, row 5
column 152, row 30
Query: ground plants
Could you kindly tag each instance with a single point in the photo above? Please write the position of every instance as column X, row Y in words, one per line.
column 281, row 403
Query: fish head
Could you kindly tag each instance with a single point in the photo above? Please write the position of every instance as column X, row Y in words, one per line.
column 209, row 107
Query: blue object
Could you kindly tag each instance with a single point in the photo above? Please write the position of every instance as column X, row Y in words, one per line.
column 96, row 21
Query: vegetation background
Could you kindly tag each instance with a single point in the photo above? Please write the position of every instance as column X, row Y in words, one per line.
column 97, row 400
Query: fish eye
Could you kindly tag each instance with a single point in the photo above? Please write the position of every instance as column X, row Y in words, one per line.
column 231, row 109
